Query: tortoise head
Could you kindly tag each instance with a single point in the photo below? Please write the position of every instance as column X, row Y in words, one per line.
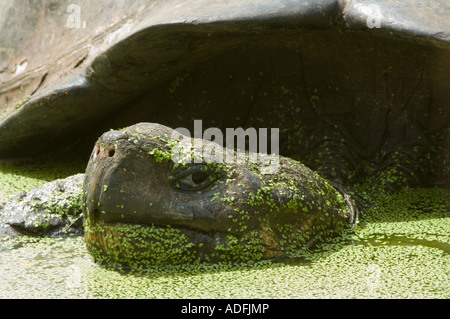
column 142, row 208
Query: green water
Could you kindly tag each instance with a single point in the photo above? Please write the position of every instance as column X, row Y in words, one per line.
column 398, row 251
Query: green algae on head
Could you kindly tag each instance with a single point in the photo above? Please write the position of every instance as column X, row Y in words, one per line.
column 142, row 209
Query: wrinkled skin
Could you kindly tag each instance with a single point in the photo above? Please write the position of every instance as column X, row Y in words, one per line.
column 143, row 210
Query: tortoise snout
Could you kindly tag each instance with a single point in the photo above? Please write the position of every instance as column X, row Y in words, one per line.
column 107, row 145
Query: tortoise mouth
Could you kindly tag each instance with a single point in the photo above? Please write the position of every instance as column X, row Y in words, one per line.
column 201, row 223
column 96, row 219
column 172, row 218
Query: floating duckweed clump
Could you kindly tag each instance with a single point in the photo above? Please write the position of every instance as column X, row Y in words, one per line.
column 248, row 248
column 151, row 247
column 412, row 214
column 62, row 268
column 138, row 246
column 411, row 204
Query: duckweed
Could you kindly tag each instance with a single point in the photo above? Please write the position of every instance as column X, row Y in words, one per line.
column 23, row 177
column 138, row 246
column 371, row 262
column 398, row 251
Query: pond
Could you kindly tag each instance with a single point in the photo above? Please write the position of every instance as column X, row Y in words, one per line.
column 400, row 250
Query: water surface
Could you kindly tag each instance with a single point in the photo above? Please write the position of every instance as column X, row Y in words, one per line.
column 400, row 250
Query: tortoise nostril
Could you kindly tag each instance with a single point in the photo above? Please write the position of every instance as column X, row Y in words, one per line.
column 96, row 152
column 111, row 151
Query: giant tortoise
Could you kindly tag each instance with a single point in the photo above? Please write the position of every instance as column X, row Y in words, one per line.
column 358, row 91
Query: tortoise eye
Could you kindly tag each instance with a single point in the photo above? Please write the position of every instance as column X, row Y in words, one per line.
column 194, row 178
